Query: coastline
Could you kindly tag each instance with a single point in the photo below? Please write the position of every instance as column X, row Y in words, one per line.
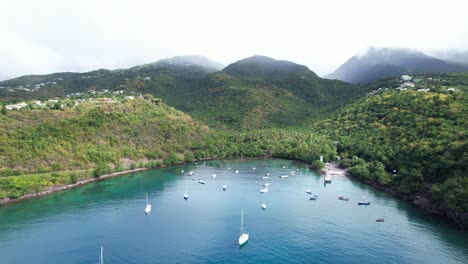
column 417, row 200
column 331, row 169
column 55, row 189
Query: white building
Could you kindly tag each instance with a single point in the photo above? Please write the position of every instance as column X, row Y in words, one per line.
column 17, row 106
column 406, row 78
column 408, row 84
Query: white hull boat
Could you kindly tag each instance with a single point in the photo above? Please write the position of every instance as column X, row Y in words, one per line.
column 244, row 236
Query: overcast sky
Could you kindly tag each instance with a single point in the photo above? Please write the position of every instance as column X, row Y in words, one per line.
column 44, row 36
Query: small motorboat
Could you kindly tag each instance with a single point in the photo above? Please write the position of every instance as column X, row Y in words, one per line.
column 185, row 196
column 343, row 198
column 213, row 176
column 379, row 220
column 283, row 176
column 264, row 207
column 229, row 168
column 254, row 168
column 266, row 184
column 191, row 173
column 201, row 182
column 181, row 171
column 264, row 190
column 237, row 171
column 308, row 191
column 284, row 167
column 313, row 197
column 265, row 177
column 224, row 187
column 363, row 203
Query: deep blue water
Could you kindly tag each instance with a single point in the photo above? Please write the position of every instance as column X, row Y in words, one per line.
column 71, row 226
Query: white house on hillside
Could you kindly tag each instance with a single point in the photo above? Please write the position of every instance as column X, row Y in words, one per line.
column 406, row 78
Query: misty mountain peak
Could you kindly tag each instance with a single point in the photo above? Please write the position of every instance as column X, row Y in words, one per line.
column 258, row 66
column 183, row 62
column 378, row 63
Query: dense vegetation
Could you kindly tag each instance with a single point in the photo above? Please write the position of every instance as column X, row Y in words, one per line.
column 41, row 148
column 257, row 92
column 260, row 92
column 413, row 141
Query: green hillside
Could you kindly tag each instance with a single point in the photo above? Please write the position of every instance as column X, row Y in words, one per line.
column 256, row 92
column 170, row 79
column 260, row 92
column 415, row 142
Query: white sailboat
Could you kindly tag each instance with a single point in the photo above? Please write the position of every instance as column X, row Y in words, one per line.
column 148, row 205
column 186, row 192
column 101, row 259
column 244, row 236
column 264, row 190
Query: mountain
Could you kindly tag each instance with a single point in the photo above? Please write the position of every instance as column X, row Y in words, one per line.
column 456, row 56
column 185, row 61
column 379, row 63
column 255, row 92
column 259, row 92
column 170, row 79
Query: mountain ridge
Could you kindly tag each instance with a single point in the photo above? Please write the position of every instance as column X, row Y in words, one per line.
column 381, row 63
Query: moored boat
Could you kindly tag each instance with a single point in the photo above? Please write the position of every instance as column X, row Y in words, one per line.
column 244, row 236
column 148, row 205
column 313, row 197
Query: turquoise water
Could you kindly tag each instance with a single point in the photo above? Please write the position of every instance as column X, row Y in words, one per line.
column 71, row 226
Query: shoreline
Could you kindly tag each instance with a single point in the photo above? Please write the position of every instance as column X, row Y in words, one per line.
column 55, row 189
column 416, row 200
column 331, row 169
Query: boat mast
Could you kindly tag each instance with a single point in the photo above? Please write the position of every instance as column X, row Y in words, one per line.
column 101, row 259
column 242, row 222
column 147, row 202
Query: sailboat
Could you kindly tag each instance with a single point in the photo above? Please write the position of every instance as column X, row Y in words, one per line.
column 264, row 207
column 244, row 237
column 186, row 192
column 148, row 205
column 101, row 259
